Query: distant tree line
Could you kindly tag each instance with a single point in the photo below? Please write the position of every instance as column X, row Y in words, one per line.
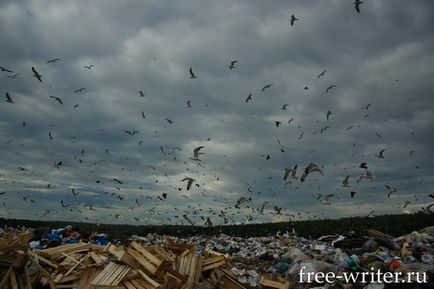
column 395, row 225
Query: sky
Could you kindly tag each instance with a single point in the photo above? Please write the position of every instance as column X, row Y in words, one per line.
column 118, row 150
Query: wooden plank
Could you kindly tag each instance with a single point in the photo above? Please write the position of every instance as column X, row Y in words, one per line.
column 227, row 282
column 76, row 265
column 13, row 279
column 95, row 257
column 55, row 253
column 123, row 256
column 89, row 276
column 67, row 286
column 69, row 278
column 274, row 283
column 42, row 271
column 151, row 268
column 138, row 285
column 128, row 285
column 45, row 261
column 27, row 278
column 147, row 254
column 121, row 275
column 149, row 280
column 103, row 273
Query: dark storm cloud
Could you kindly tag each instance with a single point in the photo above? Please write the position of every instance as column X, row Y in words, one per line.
column 380, row 56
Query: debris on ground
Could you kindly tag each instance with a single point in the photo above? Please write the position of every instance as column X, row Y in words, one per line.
column 201, row 262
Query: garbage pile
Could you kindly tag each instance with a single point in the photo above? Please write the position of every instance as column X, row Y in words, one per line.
column 201, row 262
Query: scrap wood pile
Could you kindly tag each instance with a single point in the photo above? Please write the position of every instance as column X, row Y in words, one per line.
column 90, row 266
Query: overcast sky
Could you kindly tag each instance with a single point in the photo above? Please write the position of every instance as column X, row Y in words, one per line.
column 378, row 63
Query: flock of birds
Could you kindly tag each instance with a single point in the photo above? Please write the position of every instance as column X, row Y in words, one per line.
column 227, row 214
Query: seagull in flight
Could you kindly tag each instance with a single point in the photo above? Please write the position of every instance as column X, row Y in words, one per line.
column 345, row 182
column 232, row 65
column 192, row 75
column 292, row 19
column 56, row 98
column 36, row 74
column 8, row 98
column 380, row 154
column 328, row 114
column 141, row 93
column 391, row 190
column 80, row 90
column 357, row 5
column 267, row 86
column 285, row 106
column 89, row 66
column 367, row 175
column 290, row 172
column 330, row 87
column 189, row 183
column 367, row 106
column 326, row 199
column 196, row 153
column 249, row 98
column 13, row 76
column 53, row 60
column 312, row 167
column 321, row 74
column 5, row 70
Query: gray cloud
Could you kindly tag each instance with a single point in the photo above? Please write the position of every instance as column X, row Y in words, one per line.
column 380, row 56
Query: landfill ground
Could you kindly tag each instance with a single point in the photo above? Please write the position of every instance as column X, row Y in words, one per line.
column 67, row 257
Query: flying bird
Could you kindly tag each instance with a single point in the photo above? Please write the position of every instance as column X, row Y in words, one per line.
column 56, row 98
column 53, row 60
column 345, row 181
column 292, row 19
column 80, row 90
column 267, row 86
column 36, row 74
column 249, row 98
column 357, row 5
column 13, row 76
column 277, row 123
column 143, row 115
column 324, row 129
column 141, row 93
column 380, row 154
column 321, row 74
column 363, row 166
column 232, row 65
column 285, row 106
column 189, row 103
column 5, row 70
column 367, row 106
column 290, row 172
column 326, row 199
column 366, row 175
column 353, row 193
column 242, row 200
column 312, row 167
column 189, row 183
column 328, row 114
column 330, row 87
column 391, row 190
column 196, row 153
column 50, row 135
column 192, row 75
column 89, row 66
column 8, row 98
